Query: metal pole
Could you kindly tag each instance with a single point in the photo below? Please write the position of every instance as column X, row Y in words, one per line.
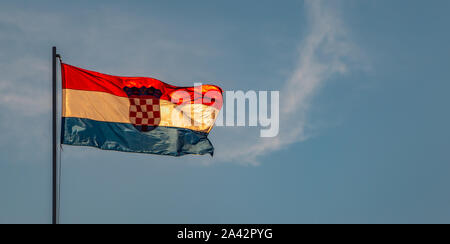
column 55, row 152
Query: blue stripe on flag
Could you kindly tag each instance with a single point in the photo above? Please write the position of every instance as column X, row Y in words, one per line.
column 126, row 138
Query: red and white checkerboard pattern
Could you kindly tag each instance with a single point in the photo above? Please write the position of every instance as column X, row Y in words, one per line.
column 145, row 111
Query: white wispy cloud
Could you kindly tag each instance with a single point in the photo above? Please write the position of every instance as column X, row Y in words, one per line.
column 326, row 51
column 23, row 88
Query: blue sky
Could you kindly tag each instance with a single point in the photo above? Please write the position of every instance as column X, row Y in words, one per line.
column 364, row 88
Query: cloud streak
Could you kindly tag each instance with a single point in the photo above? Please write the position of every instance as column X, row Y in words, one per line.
column 325, row 52
column 16, row 94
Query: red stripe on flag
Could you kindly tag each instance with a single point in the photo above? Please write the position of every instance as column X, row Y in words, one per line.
column 80, row 79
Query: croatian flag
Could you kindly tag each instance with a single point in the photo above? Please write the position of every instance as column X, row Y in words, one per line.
column 136, row 114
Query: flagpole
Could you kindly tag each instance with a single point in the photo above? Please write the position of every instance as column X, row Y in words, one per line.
column 55, row 141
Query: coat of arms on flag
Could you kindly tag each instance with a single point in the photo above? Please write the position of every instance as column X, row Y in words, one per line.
column 145, row 112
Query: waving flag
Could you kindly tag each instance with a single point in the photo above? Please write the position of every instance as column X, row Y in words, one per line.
column 135, row 114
